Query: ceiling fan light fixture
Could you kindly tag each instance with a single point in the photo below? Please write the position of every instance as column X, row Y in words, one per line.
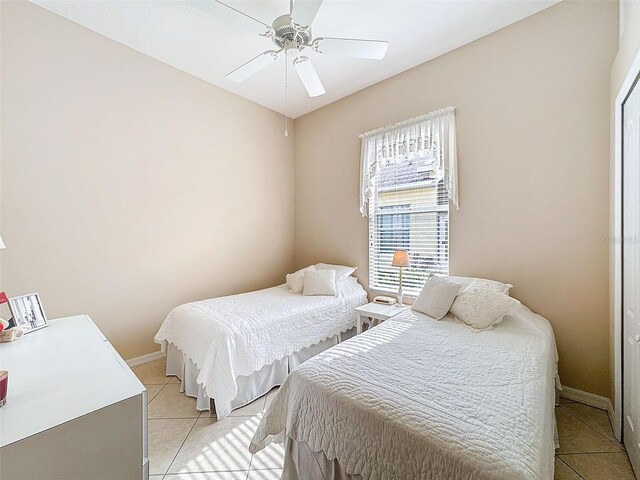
column 291, row 48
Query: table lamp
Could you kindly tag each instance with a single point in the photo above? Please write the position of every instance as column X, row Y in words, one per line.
column 400, row 259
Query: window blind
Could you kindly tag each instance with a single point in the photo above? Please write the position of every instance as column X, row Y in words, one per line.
column 408, row 175
column 408, row 211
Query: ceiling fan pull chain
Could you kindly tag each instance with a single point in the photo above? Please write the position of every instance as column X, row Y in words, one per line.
column 286, row 85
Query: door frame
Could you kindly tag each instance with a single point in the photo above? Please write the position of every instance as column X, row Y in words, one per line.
column 616, row 241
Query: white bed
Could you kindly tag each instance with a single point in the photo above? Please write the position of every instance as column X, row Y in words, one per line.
column 234, row 349
column 422, row 399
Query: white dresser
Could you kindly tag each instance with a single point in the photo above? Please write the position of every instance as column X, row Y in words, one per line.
column 74, row 410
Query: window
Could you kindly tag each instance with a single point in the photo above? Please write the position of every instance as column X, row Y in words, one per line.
column 409, row 211
column 394, row 228
column 408, row 175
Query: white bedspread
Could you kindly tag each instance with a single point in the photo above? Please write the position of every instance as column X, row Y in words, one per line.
column 239, row 334
column 417, row 398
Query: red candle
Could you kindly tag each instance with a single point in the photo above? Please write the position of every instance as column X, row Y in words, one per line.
column 4, row 383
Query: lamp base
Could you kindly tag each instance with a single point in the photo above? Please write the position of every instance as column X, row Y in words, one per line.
column 400, row 296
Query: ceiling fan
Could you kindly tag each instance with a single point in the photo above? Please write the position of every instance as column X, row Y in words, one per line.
column 292, row 35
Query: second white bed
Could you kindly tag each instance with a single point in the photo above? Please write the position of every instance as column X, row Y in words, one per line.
column 233, row 349
column 422, row 399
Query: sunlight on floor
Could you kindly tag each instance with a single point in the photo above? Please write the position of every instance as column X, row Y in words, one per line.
column 185, row 444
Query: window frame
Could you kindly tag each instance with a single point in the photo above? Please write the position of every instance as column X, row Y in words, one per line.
column 442, row 210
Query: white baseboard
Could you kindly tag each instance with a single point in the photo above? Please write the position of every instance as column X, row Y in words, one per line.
column 593, row 400
column 149, row 357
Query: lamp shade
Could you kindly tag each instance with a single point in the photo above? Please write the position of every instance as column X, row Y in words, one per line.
column 400, row 259
column 1, row 244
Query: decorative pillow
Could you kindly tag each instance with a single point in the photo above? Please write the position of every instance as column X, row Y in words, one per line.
column 320, row 282
column 436, row 297
column 295, row 281
column 481, row 306
column 466, row 281
column 342, row 271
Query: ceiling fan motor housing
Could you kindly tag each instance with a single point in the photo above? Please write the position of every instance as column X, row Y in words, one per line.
column 286, row 33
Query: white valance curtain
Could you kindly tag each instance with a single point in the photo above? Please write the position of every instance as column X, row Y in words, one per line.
column 432, row 135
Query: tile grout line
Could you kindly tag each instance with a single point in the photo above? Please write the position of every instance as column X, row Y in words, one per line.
column 264, row 407
column 590, row 453
column 615, row 442
column 570, row 467
column 166, row 474
column 174, row 418
column 190, row 474
column 169, row 380
column 240, row 470
column 155, row 394
column 183, row 442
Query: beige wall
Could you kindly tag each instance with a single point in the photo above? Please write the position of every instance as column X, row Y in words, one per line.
column 629, row 46
column 533, row 140
column 129, row 187
column 104, row 215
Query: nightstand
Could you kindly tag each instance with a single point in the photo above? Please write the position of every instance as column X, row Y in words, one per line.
column 376, row 311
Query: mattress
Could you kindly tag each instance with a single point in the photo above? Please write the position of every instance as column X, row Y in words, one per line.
column 424, row 399
column 237, row 335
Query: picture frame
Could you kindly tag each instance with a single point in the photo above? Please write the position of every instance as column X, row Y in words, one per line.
column 27, row 312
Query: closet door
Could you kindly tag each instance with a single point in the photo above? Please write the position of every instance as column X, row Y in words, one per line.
column 630, row 272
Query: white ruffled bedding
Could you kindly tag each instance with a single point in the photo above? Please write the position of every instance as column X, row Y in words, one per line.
column 423, row 399
column 239, row 334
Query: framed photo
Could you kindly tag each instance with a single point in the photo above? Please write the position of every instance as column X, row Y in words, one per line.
column 27, row 312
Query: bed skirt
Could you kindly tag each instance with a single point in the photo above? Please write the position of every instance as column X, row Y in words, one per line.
column 249, row 387
column 302, row 463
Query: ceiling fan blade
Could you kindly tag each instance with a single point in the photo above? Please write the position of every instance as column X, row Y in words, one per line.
column 309, row 76
column 253, row 66
column 232, row 16
column 351, row 47
column 304, row 11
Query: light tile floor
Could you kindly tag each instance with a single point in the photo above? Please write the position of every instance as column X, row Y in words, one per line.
column 588, row 449
column 187, row 445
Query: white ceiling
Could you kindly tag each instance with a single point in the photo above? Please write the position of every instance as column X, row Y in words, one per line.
column 202, row 45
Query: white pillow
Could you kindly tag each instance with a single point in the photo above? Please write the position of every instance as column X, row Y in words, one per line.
column 342, row 271
column 481, row 306
column 436, row 297
column 295, row 281
column 466, row 281
column 319, row 282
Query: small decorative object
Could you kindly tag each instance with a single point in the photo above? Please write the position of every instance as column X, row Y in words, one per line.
column 4, row 384
column 400, row 259
column 27, row 312
column 4, row 324
column 11, row 334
